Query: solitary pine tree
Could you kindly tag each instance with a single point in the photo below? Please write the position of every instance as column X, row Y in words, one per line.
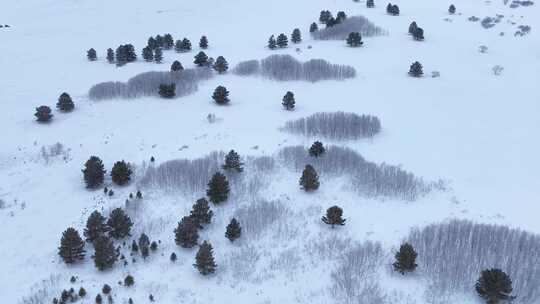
column 91, row 54
column 309, row 180
column 218, row 188
column 389, row 8
column 296, row 36
column 167, row 90
column 317, row 149
column 221, row 65
column 93, row 172
column 334, row 216
column 121, row 173
column 201, row 212
column 412, row 27
column 110, row 55
column 272, row 42
column 203, row 43
column 221, row 95
column 233, row 230
column 313, row 27
column 105, row 254
column 418, row 34
column 204, row 260
column 144, row 245
column 416, row 69
column 178, row 46
column 405, row 259
column 186, row 45
column 452, row 9
column 354, row 39
column 168, row 41
column 370, row 3
column 148, row 54
column 119, row 223
column 176, row 66
column 494, row 286
column 341, row 16
column 186, row 234
column 233, row 162
column 201, row 59
column 65, row 103
column 43, row 114
column 282, row 41
column 158, row 55
column 95, row 227
column 71, row 248
column 288, row 101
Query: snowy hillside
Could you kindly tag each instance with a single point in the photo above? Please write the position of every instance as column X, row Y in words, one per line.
column 446, row 162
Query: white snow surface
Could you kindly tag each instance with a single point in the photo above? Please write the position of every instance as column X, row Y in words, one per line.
column 475, row 130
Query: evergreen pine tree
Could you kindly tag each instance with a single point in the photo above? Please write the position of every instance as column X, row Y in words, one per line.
column 370, row 3
column 418, row 34
column 232, row 162
column 405, row 259
column 129, row 280
column 412, row 27
column 186, row 45
column 218, row 188
column 121, row 173
column 204, row 260
column 416, row 69
column 317, row 149
column 186, row 234
column 288, row 101
column 106, row 289
column 331, row 22
column 341, row 16
column 99, row 300
column 494, row 286
column 119, row 223
column 158, row 55
column 272, row 42
column 201, row 213
column 313, row 27
column 201, row 59
column 176, row 66
column 110, row 55
column 91, row 54
column 233, row 230
column 93, row 172
column 168, row 41
column 144, row 245
column 325, row 16
column 309, row 180
column 389, row 8
column 452, row 9
column 221, row 95
column 334, row 216
column 82, row 292
column 152, row 44
column 43, row 114
column 159, row 41
column 203, row 43
column 395, row 10
column 65, row 103
column 178, row 46
column 296, row 36
column 354, row 39
column 167, row 90
column 148, row 54
column 105, row 254
column 134, row 246
column 173, row 257
column 95, row 227
column 71, row 246
column 282, row 41
column 221, row 65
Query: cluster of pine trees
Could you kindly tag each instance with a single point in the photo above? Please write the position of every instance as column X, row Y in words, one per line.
column 392, row 9
column 65, row 104
column 416, row 31
column 329, row 20
column 94, row 172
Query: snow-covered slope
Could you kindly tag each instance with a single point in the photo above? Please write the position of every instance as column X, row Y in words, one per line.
column 468, row 127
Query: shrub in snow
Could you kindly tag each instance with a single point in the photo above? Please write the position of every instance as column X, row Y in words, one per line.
column 93, row 172
column 451, row 9
column 435, row 74
column 334, row 216
column 418, row 34
column 454, row 254
column 233, row 230
column 148, row 83
column 335, row 126
column 313, row 27
column 483, row 49
column 370, row 3
column 129, row 280
column 71, row 248
column 497, row 70
column 167, row 90
column 340, row 31
column 355, row 279
column 43, row 114
column 50, row 153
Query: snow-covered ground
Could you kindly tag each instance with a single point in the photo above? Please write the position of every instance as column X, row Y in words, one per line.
column 475, row 130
